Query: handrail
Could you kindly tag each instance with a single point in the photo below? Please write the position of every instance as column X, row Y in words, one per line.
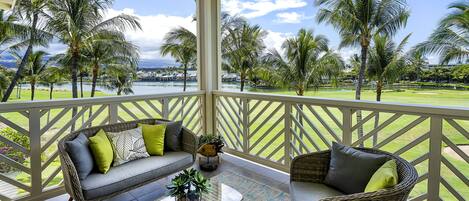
column 461, row 112
column 45, row 104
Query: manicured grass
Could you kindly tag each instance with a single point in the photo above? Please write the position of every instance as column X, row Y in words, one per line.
column 43, row 94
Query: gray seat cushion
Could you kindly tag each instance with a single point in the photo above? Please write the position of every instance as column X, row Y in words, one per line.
column 304, row 191
column 133, row 173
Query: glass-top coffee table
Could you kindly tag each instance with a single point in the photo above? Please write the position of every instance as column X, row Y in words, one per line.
column 218, row 192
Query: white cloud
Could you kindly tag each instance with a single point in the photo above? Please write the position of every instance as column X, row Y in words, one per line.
column 154, row 28
column 258, row 8
column 289, row 17
column 276, row 39
column 347, row 53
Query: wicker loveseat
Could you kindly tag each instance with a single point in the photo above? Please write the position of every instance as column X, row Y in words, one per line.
column 128, row 176
column 308, row 172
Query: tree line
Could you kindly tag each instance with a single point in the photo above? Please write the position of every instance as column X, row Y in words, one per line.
column 96, row 45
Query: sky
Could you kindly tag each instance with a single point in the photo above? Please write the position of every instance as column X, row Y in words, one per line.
column 280, row 18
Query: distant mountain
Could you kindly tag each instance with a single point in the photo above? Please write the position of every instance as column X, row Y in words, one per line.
column 156, row 63
column 10, row 62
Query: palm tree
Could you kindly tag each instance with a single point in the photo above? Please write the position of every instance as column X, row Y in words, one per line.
column 387, row 61
column 32, row 13
column 4, row 81
column 306, row 61
column 74, row 21
column 120, row 77
column 415, row 62
column 52, row 75
column 242, row 48
column 358, row 21
column 35, row 67
column 451, row 39
column 181, row 44
column 10, row 31
column 106, row 48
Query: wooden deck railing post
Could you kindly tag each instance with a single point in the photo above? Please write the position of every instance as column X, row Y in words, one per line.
column 165, row 108
column 434, row 160
column 347, row 126
column 288, row 123
column 35, row 148
column 113, row 113
column 245, row 124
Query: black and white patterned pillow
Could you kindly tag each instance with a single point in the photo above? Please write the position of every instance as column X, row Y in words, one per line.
column 127, row 146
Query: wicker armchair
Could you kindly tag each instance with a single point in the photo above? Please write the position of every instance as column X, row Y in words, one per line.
column 314, row 167
column 72, row 182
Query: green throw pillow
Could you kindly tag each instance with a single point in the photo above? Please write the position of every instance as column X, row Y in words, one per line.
column 102, row 151
column 384, row 177
column 153, row 135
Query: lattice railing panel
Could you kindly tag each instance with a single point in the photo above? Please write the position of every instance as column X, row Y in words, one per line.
column 229, row 122
column 455, row 160
column 266, row 130
column 15, row 155
column 314, row 128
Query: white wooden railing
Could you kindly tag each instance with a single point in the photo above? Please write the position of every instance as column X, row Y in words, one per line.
column 46, row 122
column 268, row 129
column 273, row 129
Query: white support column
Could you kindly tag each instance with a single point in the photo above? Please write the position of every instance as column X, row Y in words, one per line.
column 209, row 55
column 434, row 160
column 35, row 146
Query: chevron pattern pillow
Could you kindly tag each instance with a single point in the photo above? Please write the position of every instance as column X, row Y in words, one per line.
column 127, row 146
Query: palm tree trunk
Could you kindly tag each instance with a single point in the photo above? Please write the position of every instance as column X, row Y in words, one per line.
column 28, row 52
column 361, row 77
column 81, row 85
column 20, row 88
column 94, row 79
column 242, row 77
column 33, row 90
column 51, row 90
column 379, row 90
column 74, row 72
column 185, row 77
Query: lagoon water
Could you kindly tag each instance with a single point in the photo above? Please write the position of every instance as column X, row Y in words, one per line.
column 142, row 88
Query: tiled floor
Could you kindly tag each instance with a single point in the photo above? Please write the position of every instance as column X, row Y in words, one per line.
column 245, row 168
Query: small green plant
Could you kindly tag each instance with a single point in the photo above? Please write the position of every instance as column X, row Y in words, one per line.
column 9, row 151
column 188, row 185
column 216, row 140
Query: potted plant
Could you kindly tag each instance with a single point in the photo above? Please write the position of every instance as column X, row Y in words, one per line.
column 209, row 148
column 189, row 185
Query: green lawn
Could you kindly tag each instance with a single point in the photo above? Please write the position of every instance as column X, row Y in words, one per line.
column 43, row 94
column 433, row 97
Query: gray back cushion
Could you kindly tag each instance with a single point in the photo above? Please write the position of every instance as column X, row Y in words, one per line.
column 351, row 169
column 81, row 155
column 172, row 135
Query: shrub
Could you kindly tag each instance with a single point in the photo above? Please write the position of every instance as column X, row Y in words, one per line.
column 9, row 151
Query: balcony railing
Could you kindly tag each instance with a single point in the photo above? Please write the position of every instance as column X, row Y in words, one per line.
column 267, row 129
column 273, row 129
column 43, row 123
